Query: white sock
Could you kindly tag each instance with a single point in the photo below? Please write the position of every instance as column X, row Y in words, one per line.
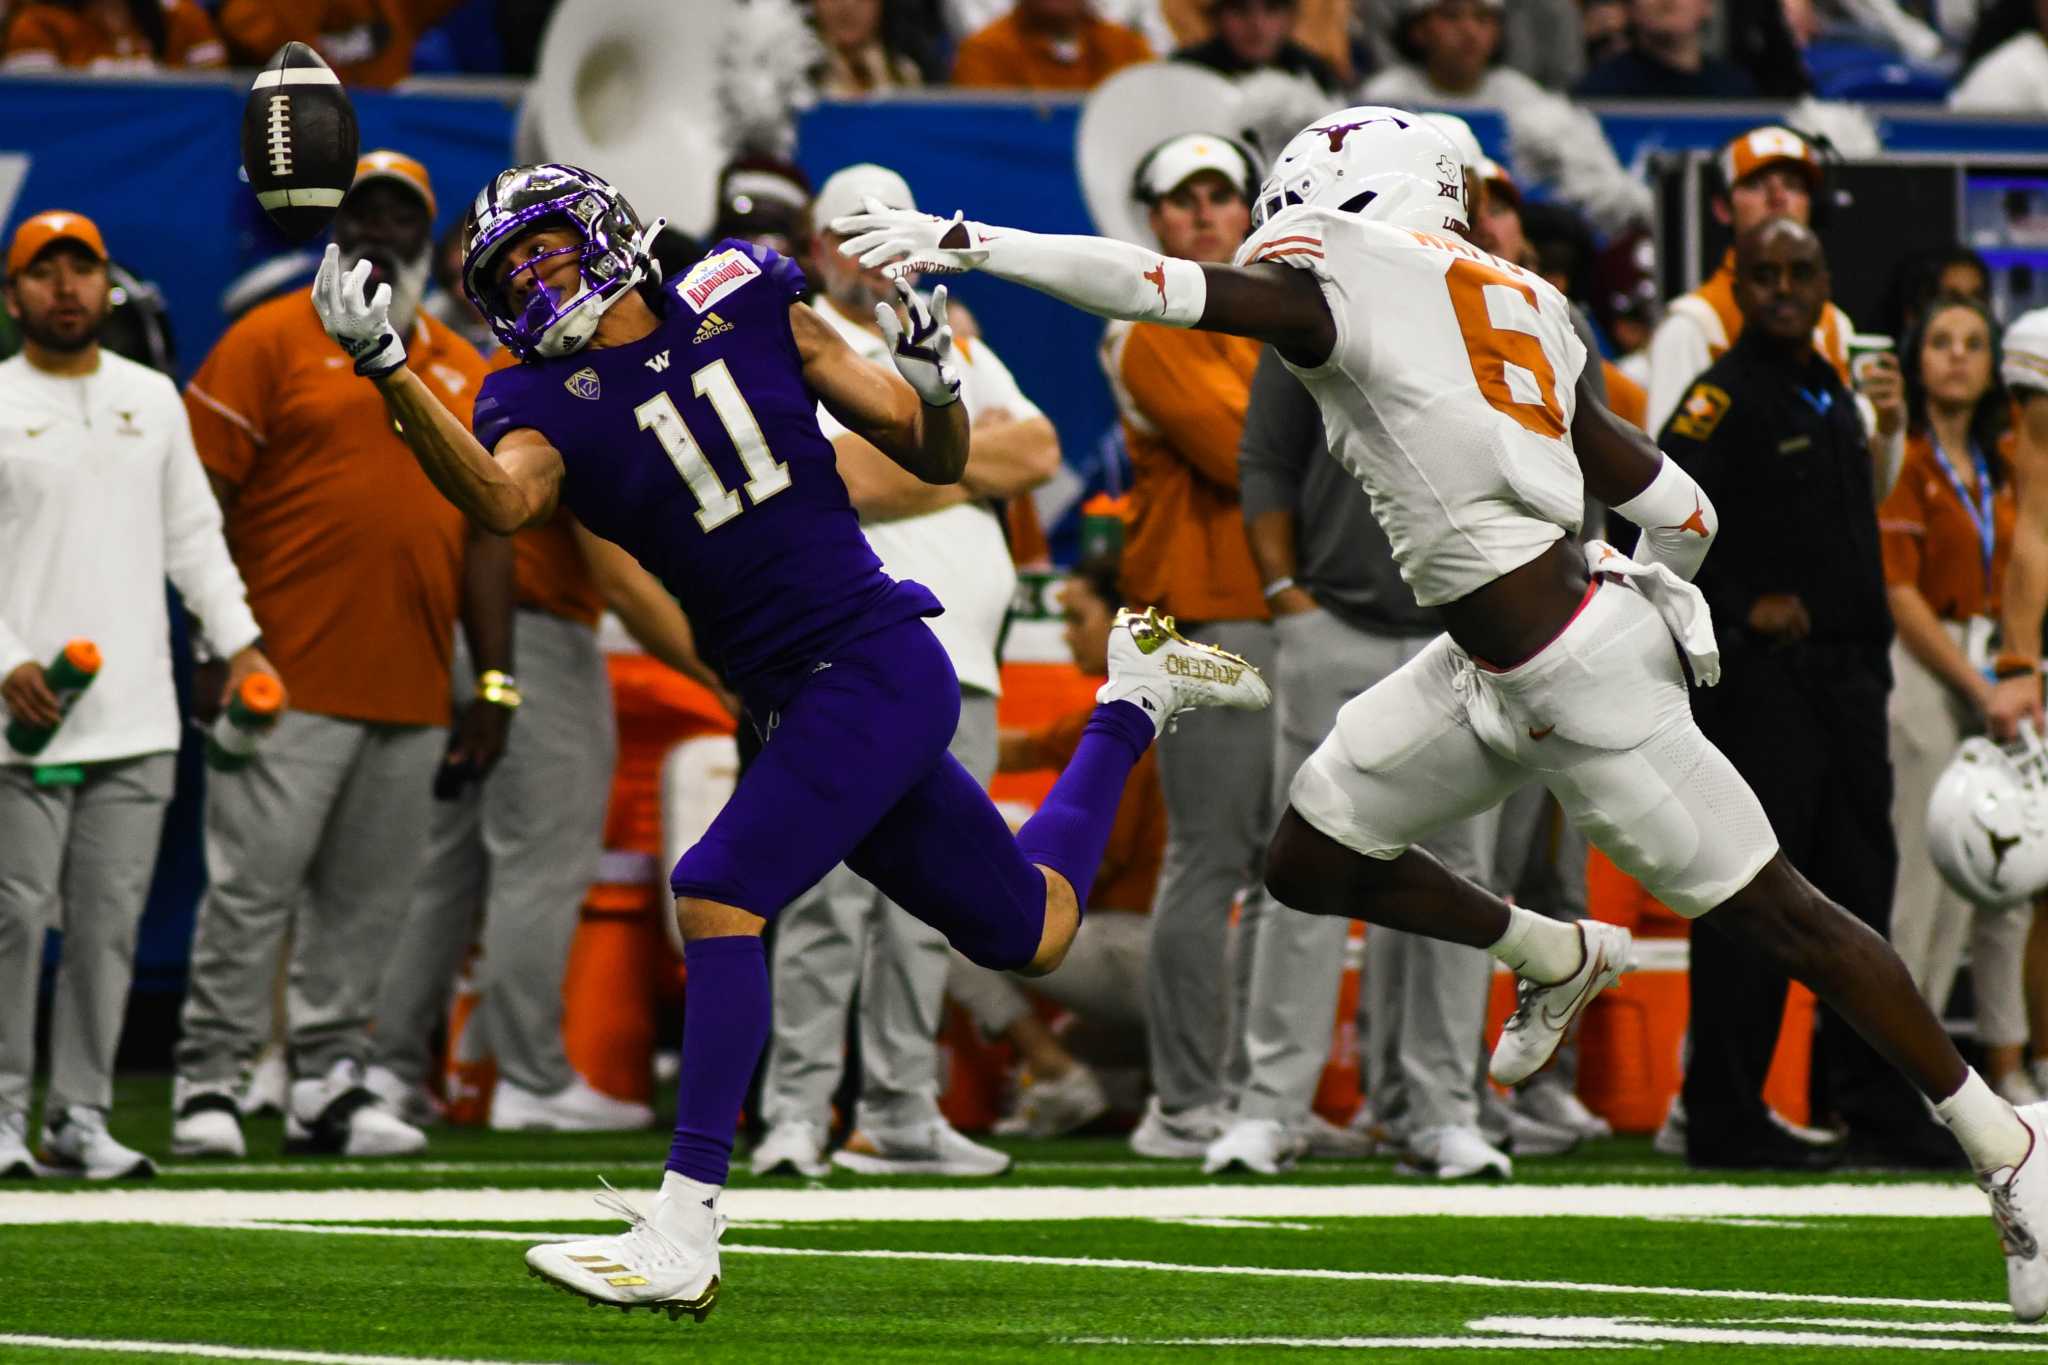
column 1990, row 1132
column 1539, row 948
column 679, row 1186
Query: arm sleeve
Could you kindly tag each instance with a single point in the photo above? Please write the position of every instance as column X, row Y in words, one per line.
column 195, row 553
column 1194, row 399
column 1282, row 433
column 1902, row 533
column 228, row 402
column 1705, row 456
column 1678, row 355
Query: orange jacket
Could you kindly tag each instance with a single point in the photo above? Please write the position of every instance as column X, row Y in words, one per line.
column 367, row 42
column 1008, row 56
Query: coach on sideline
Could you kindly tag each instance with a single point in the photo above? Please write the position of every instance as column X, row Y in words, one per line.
column 356, row 570
column 101, row 499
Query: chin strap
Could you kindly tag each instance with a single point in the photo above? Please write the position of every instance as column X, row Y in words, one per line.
column 643, row 247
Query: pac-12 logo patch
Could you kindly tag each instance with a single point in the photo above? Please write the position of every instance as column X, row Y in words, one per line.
column 712, row 278
column 583, row 383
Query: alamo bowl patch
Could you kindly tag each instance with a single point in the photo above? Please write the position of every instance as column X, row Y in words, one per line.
column 1701, row 411
column 583, row 383
column 712, row 278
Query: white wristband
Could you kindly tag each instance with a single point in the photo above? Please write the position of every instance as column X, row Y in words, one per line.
column 1276, row 587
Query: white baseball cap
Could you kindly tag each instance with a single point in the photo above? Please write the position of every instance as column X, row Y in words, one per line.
column 842, row 194
column 1167, row 167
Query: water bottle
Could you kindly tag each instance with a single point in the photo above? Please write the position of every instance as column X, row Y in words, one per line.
column 68, row 675
column 249, row 716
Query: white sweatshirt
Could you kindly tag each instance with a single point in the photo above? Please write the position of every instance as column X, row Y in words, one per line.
column 102, row 498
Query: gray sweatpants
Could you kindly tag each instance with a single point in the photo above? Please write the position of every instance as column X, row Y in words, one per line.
column 1102, row 979
column 1215, row 774
column 845, row 936
column 321, row 834
column 1424, row 1000
column 77, row 858
column 521, row 850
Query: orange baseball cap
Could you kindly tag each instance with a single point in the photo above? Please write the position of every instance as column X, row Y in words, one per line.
column 57, row 225
column 389, row 165
column 1768, row 146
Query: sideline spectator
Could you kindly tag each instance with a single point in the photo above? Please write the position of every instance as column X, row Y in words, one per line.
column 1449, row 51
column 101, row 499
column 110, row 35
column 1667, row 58
column 1047, row 45
column 2008, row 71
column 1545, row 41
column 1103, row 978
column 1947, row 536
column 861, row 56
column 367, row 42
column 1258, row 35
column 357, row 569
column 1924, row 276
column 1182, row 395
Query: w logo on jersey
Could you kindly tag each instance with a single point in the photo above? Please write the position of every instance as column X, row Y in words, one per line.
column 658, row 363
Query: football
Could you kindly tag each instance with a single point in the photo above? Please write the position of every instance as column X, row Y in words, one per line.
column 298, row 141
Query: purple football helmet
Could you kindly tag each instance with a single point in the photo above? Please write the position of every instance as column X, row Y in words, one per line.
column 611, row 258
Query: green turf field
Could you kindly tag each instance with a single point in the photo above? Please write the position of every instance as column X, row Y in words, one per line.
column 1082, row 1252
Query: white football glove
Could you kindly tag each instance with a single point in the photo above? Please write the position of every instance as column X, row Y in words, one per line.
column 362, row 328
column 923, row 355
column 908, row 240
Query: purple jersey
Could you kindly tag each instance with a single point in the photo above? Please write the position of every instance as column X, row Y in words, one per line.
column 697, row 449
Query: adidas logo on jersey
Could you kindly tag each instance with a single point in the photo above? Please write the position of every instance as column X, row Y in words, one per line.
column 713, row 325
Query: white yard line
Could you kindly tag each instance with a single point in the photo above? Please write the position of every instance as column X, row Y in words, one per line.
column 193, row 1348
column 1016, row 1203
column 1367, row 1343
column 1185, row 1268
column 1612, row 1329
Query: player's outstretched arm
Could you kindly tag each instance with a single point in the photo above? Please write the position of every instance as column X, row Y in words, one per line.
column 914, row 416
column 1625, row 469
column 515, row 490
column 1272, row 303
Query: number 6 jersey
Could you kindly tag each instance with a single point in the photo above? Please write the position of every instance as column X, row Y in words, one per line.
column 697, row 449
column 1449, row 394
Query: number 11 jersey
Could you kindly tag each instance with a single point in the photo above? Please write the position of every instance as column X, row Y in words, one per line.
column 697, row 449
column 1449, row 394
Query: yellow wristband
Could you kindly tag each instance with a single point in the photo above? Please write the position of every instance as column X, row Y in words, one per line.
column 498, row 688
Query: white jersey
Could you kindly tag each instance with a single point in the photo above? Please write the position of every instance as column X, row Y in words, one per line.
column 1449, row 394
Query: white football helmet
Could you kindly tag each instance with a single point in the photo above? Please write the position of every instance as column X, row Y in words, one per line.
column 1987, row 822
column 2024, row 364
column 1379, row 163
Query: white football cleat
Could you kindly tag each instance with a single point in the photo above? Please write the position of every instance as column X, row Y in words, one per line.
column 413, row 1103
column 1545, row 1013
column 336, row 1115
column 205, row 1121
column 934, row 1147
column 2019, row 1205
column 1154, row 666
column 1261, row 1146
column 1526, row 1136
column 795, row 1146
column 78, row 1144
column 667, row 1261
column 1550, row 1102
column 1456, row 1154
column 577, row 1107
column 1177, row 1137
column 16, row 1161
column 1057, row 1107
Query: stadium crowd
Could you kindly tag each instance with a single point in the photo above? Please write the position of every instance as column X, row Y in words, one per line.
column 443, row 850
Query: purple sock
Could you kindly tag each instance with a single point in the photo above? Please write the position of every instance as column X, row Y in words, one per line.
column 1070, row 831
column 725, row 1026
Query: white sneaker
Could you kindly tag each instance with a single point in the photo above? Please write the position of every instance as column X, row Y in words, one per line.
column 1056, row 1108
column 793, row 1145
column 1543, row 1014
column 1812, row 1137
column 2017, row 1089
column 1456, row 1154
column 413, row 1103
column 666, row 1260
column 1177, row 1137
column 578, row 1107
column 336, row 1115
column 1325, row 1141
column 264, row 1091
column 1670, row 1139
column 78, row 1144
column 934, row 1147
column 1528, row 1136
column 1261, row 1146
column 205, row 1121
column 16, row 1161
column 1154, row 666
column 1549, row 1102
column 2019, row 1205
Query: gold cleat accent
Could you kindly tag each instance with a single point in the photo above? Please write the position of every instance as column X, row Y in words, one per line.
column 698, row 1308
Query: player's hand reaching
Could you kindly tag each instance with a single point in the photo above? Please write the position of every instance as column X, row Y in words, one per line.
column 907, row 240
column 923, row 353
column 360, row 326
